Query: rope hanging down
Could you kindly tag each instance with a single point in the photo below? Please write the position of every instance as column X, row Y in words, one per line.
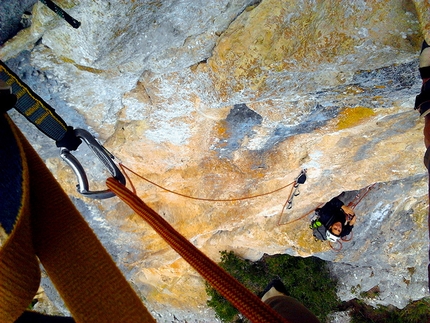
column 338, row 244
column 240, row 297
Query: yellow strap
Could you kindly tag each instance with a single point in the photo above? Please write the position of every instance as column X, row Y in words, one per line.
column 51, row 228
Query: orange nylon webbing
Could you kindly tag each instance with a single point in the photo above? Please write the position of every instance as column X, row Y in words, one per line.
column 245, row 301
column 52, row 229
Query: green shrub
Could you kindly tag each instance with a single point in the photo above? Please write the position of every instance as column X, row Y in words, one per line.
column 306, row 279
column 415, row 312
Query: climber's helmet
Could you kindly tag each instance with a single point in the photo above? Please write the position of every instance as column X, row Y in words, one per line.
column 331, row 236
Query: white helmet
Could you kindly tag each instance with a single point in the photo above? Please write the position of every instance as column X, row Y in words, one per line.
column 331, row 237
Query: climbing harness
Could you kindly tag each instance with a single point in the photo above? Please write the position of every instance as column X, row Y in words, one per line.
column 44, row 117
column 60, row 12
column 43, row 227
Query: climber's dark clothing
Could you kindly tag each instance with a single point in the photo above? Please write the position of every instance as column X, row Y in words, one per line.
column 331, row 213
column 291, row 309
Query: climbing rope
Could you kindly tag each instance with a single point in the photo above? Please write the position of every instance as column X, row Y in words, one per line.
column 337, row 246
column 240, row 297
column 357, row 199
column 301, row 179
column 303, row 216
column 125, row 168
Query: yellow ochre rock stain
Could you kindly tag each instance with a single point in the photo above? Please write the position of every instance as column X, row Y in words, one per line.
column 350, row 117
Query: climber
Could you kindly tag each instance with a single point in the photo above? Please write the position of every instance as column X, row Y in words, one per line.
column 422, row 104
column 276, row 296
column 337, row 218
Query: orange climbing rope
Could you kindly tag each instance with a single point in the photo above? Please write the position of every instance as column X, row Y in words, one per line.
column 125, row 168
column 240, row 297
column 295, row 184
column 301, row 217
column 357, row 199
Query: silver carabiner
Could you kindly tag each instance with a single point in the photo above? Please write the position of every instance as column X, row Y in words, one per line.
column 105, row 157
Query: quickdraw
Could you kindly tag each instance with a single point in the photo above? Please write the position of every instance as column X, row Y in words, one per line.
column 301, row 179
column 44, row 117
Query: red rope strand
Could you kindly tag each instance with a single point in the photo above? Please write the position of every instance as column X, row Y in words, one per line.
column 202, row 198
column 286, row 202
column 358, row 198
column 240, row 297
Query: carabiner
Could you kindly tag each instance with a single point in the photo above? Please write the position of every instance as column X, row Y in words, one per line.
column 105, row 157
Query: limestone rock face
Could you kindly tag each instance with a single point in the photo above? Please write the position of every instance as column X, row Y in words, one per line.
column 231, row 99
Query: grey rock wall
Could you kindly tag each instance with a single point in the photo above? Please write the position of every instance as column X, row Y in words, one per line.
column 233, row 99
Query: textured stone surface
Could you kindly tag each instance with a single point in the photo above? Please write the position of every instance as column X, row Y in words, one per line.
column 232, row 99
column 10, row 17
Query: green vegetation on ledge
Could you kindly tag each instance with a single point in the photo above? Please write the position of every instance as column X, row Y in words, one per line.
column 306, row 279
column 415, row 312
column 309, row 281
